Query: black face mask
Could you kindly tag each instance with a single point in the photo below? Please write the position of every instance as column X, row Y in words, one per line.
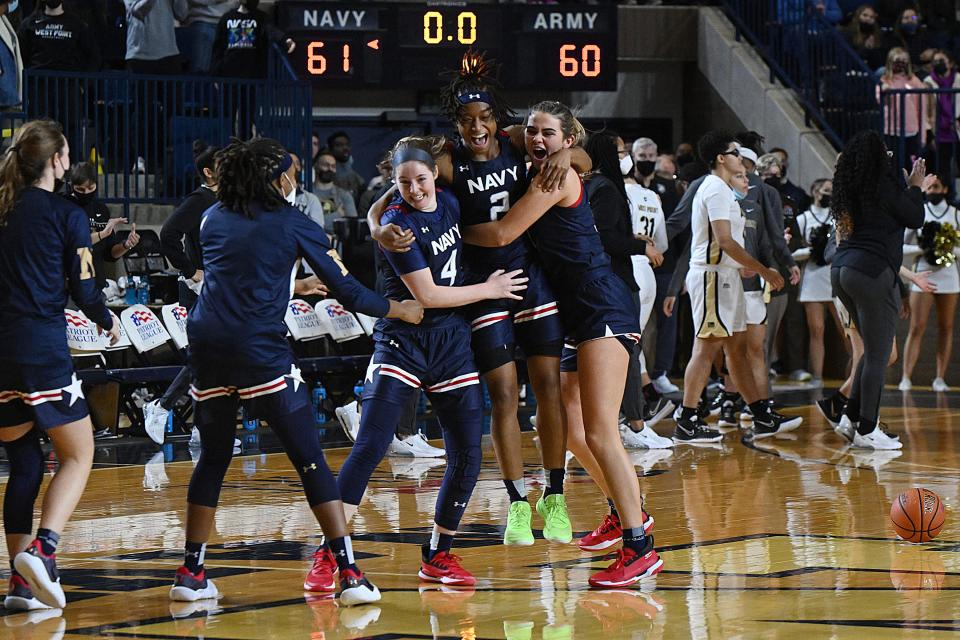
column 935, row 198
column 940, row 68
column 83, row 199
column 899, row 67
column 251, row 4
column 53, row 4
column 685, row 158
column 645, row 167
column 773, row 181
column 326, row 176
column 825, row 200
column 867, row 27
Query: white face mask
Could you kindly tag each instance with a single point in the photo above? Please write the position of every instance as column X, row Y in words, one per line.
column 626, row 164
column 292, row 196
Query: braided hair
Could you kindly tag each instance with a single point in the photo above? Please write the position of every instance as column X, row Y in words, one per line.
column 859, row 169
column 246, row 172
column 477, row 74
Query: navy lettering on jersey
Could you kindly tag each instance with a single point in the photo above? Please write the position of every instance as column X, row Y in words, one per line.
column 438, row 247
column 568, row 244
column 486, row 190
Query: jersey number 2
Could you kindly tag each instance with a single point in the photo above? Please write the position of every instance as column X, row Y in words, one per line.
column 499, row 203
column 449, row 270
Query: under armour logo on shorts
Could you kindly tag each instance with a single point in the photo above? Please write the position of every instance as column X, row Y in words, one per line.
column 459, row 504
column 310, row 467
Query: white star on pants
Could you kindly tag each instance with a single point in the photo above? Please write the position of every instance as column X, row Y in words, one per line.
column 74, row 389
column 295, row 376
column 371, row 369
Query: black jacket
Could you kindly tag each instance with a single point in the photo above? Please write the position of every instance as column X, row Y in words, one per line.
column 876, row 242
column 180, row 234
column 611, row 213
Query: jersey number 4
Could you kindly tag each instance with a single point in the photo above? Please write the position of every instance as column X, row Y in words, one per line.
column 499, row 203
column 449, row 270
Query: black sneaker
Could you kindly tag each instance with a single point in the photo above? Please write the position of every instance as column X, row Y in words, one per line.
column 695, row 432
column 40, row 573
column 356, row 589
column 787, row 423
column 831, row 412
column 774, row 423
column 728, row 414
column 715, row 407
column 657, row 411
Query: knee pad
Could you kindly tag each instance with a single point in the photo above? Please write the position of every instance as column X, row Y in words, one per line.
column 26, row 476
column 465, row 464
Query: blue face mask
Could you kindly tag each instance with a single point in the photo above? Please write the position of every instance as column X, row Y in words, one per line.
column 13, row 6
column 738, row 195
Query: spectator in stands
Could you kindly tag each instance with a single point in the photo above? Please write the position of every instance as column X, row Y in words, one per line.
column 902, row 114
column 308, row 203
column 151, row 36
column 864, row 35
column 786, row 188
column 794, row 11
column 925, row 66
column 347, row 179
column 666, row 168
column 107, row 247
column 684, row 155
column 337, row 202
column 911, row 34
column 52, row 38
column 315, row 143
column 888, row 11
column 379, row 184
column 645, row 172
column 201, row 22
column 943, row 109
column 241, row 47
column 11, row 64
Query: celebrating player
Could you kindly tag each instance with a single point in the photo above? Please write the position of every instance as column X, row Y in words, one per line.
column 251, row 241
column 487, row 173
column 435, row 357
column 598, row 318
column 44, row 242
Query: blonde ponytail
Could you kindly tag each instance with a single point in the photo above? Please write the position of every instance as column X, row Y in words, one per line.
column 26, row 159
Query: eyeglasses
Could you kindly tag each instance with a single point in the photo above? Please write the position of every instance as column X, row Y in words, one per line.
column 732, row 152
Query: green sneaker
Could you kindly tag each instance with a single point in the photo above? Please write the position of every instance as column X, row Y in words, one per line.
column 556, row 522
column 518, row 530
column 518, row 630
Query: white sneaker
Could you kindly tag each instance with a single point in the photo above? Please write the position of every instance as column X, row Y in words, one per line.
column 846, row 428
column 400, row 448
column 664, row 386
column 349, row 418
column 195, row 440
column 939, row 385
column 423, row 449
column 155, row 420
column 876, row 439
column 646, row 438
column 647, row 459
column 874, row 459
column 905, row 384
column 155, row 473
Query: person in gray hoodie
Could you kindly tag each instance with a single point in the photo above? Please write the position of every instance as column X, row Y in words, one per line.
column 151, row 38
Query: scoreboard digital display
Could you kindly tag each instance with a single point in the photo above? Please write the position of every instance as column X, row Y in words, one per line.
column 370, row 45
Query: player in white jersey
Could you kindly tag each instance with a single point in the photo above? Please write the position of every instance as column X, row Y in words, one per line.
column 717, row 262
column 937, row 213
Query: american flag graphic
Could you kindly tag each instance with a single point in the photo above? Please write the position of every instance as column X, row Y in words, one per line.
column 141, row 317
column 179, row 313
column 298, row 307
column 335, row 310
column 75, row 320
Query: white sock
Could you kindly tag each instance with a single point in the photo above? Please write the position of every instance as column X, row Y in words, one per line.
column 521, row 486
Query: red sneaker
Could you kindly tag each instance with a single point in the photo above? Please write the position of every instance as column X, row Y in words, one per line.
column 445, row 568
column 609, row 533
column 320, row 577
column 629, row 568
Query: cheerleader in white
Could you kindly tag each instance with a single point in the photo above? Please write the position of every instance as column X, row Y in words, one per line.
column 816, row 293
column 947, row 280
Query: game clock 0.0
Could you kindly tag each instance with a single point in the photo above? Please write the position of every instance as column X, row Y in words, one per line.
column 370, row 45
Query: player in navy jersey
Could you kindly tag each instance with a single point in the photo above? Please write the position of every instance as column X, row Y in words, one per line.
column 251, row 241
column 598, row 319
column 486, row 170
column 435, row 356
column 44, row 242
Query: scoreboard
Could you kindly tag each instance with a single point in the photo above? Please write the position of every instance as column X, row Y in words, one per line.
column 370, row 45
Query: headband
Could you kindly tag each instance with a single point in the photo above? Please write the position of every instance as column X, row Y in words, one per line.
column 475, row 96
column 282, row 167
column 411, row 153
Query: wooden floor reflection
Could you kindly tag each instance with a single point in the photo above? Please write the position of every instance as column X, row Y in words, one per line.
column 787, row 538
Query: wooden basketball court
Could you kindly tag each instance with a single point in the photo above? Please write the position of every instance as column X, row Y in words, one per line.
column 785, row 538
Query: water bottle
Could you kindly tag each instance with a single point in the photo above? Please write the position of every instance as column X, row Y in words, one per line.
column 250, row 424
column 143, row 291
column 319, row 400
column 358, row 390
column 131, row 292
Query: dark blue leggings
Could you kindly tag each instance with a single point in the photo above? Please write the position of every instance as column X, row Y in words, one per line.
column 26, row 476
column 460, row 413
column 297, row 432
